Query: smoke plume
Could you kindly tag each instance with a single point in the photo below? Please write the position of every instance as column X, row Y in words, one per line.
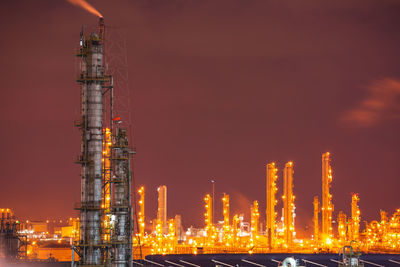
column 381, row 102
column 85, row 5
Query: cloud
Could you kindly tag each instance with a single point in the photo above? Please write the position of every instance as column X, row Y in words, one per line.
column 381, row 102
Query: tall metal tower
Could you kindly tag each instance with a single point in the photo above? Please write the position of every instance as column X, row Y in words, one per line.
column 105, row 208
column 209, row 226
column 162, row 208
column 288, row 203
column 342, row 220
column 226, row 213
column 355, row 216
column 121, row 208
column 327, row 206
column 142, row 217
column 255, row 216
column 271, row 203
column 92, row 79
column 315, row 219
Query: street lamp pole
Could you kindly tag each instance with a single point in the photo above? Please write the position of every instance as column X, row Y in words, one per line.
column 213, row 195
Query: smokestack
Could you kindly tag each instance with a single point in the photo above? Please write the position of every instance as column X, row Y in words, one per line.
column 102, row 28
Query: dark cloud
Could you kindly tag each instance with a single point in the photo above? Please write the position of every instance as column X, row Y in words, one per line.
column 381, row 102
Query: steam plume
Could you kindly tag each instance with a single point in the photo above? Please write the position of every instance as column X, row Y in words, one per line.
column 382, row 101
column 85, row 5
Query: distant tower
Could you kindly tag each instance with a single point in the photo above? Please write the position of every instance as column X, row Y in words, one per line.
column 288, row 203
column 142, row 217
column 355, row 216
column 384, row 224
column 172, row 240
column 179, row 228
column 327, row 206
column 210, row 229
column 227, row 228
column 92, row 78
column 255, row 215
column 342, row 220
column 315, row 219
column 271, row 203
column 162, row 208
column 235, row 229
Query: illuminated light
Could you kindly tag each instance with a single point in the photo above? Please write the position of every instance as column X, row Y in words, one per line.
column 328, row 241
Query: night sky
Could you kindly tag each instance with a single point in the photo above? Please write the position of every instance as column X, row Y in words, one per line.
column 218, row 89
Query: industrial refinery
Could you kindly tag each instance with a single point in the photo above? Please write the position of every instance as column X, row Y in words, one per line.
column 163, row 235
column 236, row 234
column 114, row 222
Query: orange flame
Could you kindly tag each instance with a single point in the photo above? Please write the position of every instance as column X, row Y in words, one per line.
column 85, row 5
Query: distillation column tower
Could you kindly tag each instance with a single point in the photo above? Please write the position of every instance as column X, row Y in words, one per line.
column 342, row 220
column 121, row 234
column 105, row 237
column 288, row 203
column 271, row 203
column 92, row 79
column 355, row 217
column 315, row 219
column 162, row 208
column 142, row 217
column 210, row 229
column 327, row 206
column 226, row 227
column 255, row 216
